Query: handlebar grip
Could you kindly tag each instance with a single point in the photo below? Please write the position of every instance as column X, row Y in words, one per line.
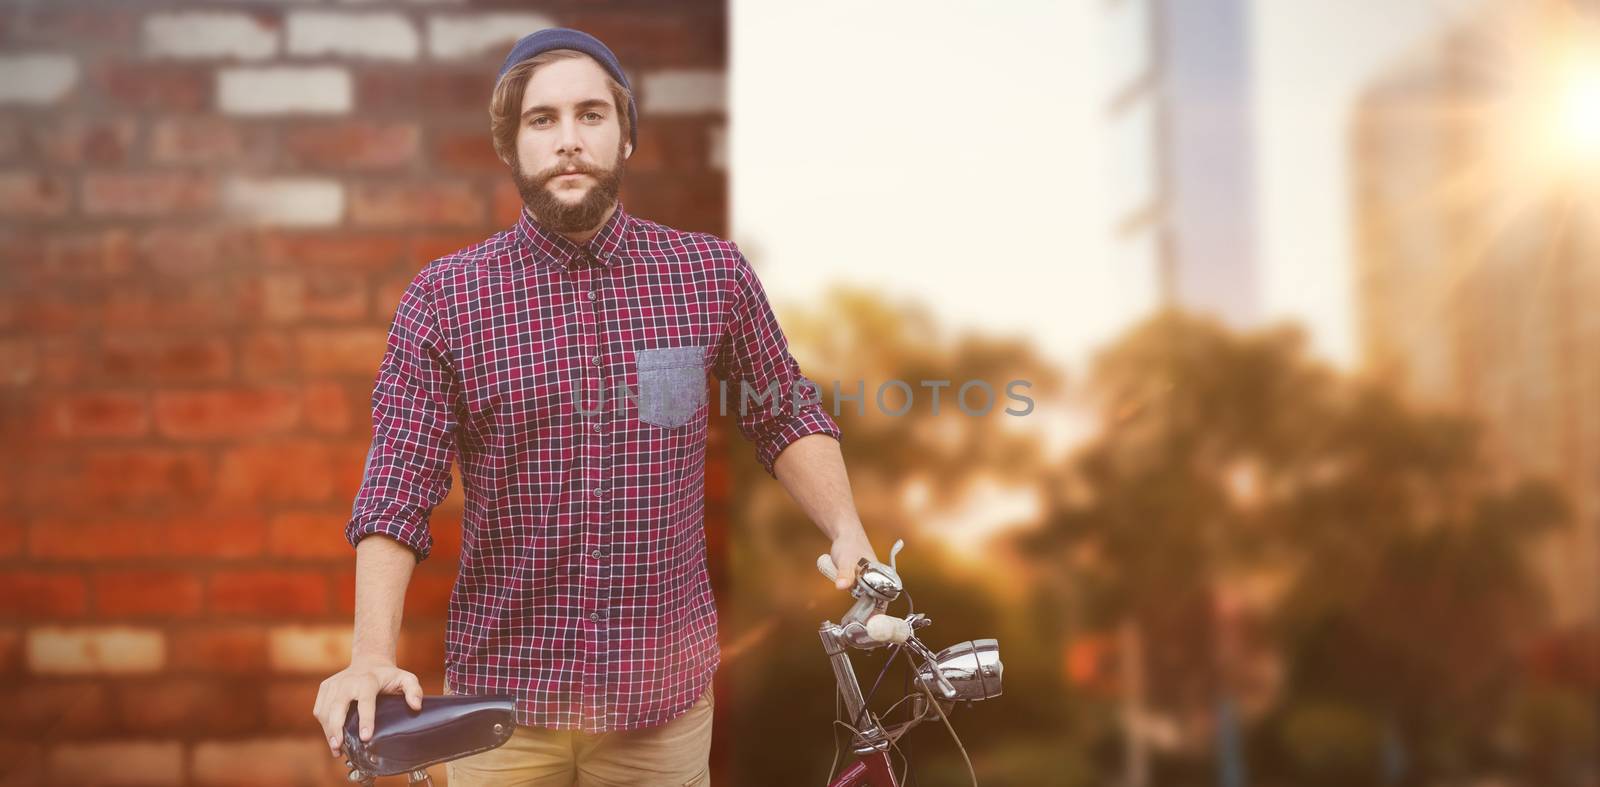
column 825, row 565
column 888, row 628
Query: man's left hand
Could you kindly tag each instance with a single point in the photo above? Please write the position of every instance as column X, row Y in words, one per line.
column 845, row 552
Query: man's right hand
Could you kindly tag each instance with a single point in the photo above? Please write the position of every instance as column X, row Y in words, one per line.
column 362, row 681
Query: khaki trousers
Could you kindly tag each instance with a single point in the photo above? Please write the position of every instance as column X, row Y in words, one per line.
column 675, row 754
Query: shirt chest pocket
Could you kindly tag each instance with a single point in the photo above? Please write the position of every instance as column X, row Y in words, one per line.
column 672, row 384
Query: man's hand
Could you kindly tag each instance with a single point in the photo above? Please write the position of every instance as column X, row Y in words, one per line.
column 362, row 681
column 846, row 551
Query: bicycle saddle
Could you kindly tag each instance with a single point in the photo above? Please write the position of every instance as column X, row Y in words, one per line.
column 448, row 727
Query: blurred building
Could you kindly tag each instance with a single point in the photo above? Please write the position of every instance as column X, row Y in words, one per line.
column 1182, row 191
column 1477, row 259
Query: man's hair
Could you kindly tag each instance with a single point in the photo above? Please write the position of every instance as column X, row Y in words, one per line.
column 505, row 106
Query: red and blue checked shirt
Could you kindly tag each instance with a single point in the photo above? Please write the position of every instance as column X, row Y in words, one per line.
column 569, row 384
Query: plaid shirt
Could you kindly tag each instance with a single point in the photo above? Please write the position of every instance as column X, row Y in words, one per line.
column 583, row 586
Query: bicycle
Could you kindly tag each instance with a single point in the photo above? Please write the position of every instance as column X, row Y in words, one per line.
column 965, row 672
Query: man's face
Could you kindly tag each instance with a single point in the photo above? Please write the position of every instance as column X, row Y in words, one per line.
column 570, row 149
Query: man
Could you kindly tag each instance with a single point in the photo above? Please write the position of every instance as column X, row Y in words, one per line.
column 583, row 586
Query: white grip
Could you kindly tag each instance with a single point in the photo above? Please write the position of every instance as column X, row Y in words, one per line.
column 888, row 628
column 825, row 565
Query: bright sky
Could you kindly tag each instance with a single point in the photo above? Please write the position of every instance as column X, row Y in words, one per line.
column 954, row 151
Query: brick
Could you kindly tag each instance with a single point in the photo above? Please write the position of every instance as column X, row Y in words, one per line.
column 61, row 360
column 316, row 650
column 108, row 27
column 36, row 78
column 308, row 534
column 95, row 414
column 268, row 593
column 288, row 703
column 381, row 36
column 508, row 203
column 117, row 762
column 466, row 152
column 159, row 87
column 465, row 36
column 53, row 709
column 290, row 471
column 42, row 595
column 19, row 364
column 164, row 358
column 183, row 252
column 184, row 704
column 268, row 762
column 109, row 650
column 340, row 250
column 278, row 90
column 428, row 594
column 673, row 145
column 354, row 145
column 146, row 593
column 10, row 140
column 150, row 194
column 352, row 351
column 226, row 413
column 33, row 195
column 421, row 650
column 425, row 246
column 331, row 408
column 651, row 40
column 320, row 296
column 719, row 148
column 416, row 204
column 201, row 534
column 10, row 651
column 681, row 91
column 179, row 304
column 209, row 140
column 120, row 476
column 223, row 649
column 209, row 34
column 267, row 355
column 424, row 92
column 24, row 763
column 47, row 259
column 12, row 533
column 282, row 201
column 79, row 140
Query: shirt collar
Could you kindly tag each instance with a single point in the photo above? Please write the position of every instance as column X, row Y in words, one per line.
column 550, row 246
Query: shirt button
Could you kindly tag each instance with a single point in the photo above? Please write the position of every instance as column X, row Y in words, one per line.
column 595, row 426
column 593, row 295
column 595, row 360
column 599, row 490
column 597, row 554
column 594, row 616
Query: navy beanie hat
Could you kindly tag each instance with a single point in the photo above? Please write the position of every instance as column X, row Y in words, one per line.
column 567, row 38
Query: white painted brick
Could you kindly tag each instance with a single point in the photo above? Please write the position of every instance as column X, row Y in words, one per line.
column 683, row 91
column 456, row 36
column 39, row 78
column 108, row 649
column 284, row 89
column 302, row 759
column 318, row 650
column 284, row 201
column 202, row 34
column 117, row 762
column 384, row 36
column 719, row 147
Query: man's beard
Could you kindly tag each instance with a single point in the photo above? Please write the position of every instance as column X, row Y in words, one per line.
column 560, row 215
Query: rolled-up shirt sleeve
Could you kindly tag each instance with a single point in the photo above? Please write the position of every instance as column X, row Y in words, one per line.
column 754, row 356
column 407, row 470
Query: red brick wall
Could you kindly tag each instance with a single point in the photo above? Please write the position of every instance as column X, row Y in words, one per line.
column 207, row 213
